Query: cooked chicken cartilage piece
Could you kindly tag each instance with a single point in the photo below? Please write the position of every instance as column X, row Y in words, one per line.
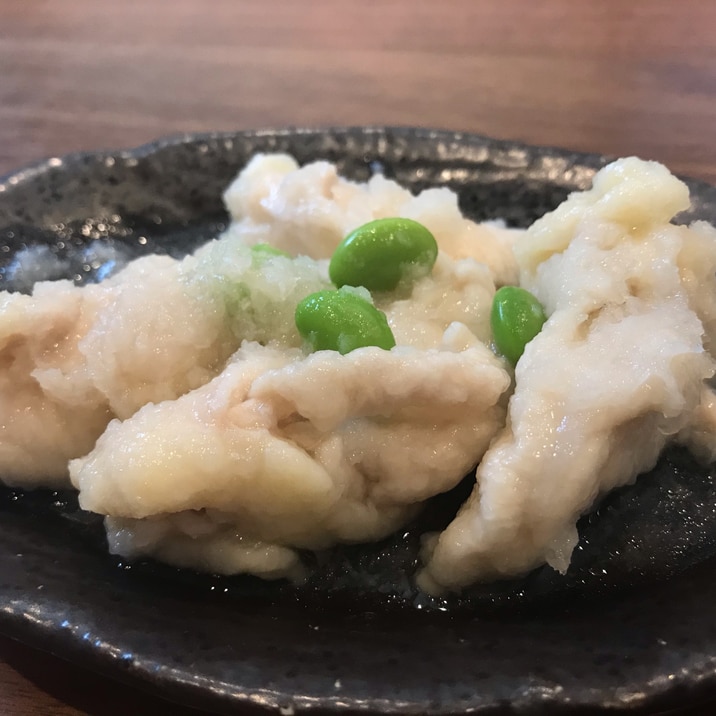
column 74, row 357
column 49, row 412
column 294, row 451
column 695, row 262
column 617, row 371
column 203, row 540
column 79, row 356
column 699, row 435
column 456, row 292
column 309, row 210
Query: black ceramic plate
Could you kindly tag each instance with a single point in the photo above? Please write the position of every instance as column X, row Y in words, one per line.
column 631, row 626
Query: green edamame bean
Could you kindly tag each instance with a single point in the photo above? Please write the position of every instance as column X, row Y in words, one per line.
column 382, row 253
column 516, row 318
column 342, row 321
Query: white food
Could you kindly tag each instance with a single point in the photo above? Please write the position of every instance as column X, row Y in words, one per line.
column 310, row 210
column 616, row 372
column 74, row 357
column 200, row 426
column 231, row 466
column 287, row 450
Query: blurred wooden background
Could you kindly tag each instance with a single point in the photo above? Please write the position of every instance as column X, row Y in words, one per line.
column 616, row 77
column 610, row 76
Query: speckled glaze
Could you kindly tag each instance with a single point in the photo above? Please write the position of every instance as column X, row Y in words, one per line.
column 631, row 627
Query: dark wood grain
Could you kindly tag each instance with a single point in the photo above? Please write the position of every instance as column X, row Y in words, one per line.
column 33, row 683
column 616, row 77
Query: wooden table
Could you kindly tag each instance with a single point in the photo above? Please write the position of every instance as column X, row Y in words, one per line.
column 612, row 76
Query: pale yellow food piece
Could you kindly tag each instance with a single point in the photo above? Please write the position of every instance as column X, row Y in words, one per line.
column 74, row 357
column 456, row 292
column 286, row 451
column 616, row 373
column 309, row 210
column 49, row 411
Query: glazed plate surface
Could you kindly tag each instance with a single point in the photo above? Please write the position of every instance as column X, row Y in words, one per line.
column 632, row 625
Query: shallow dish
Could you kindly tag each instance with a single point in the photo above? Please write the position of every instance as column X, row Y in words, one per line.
column 632, row 625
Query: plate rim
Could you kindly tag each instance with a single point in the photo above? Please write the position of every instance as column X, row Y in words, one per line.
column 34, row 634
